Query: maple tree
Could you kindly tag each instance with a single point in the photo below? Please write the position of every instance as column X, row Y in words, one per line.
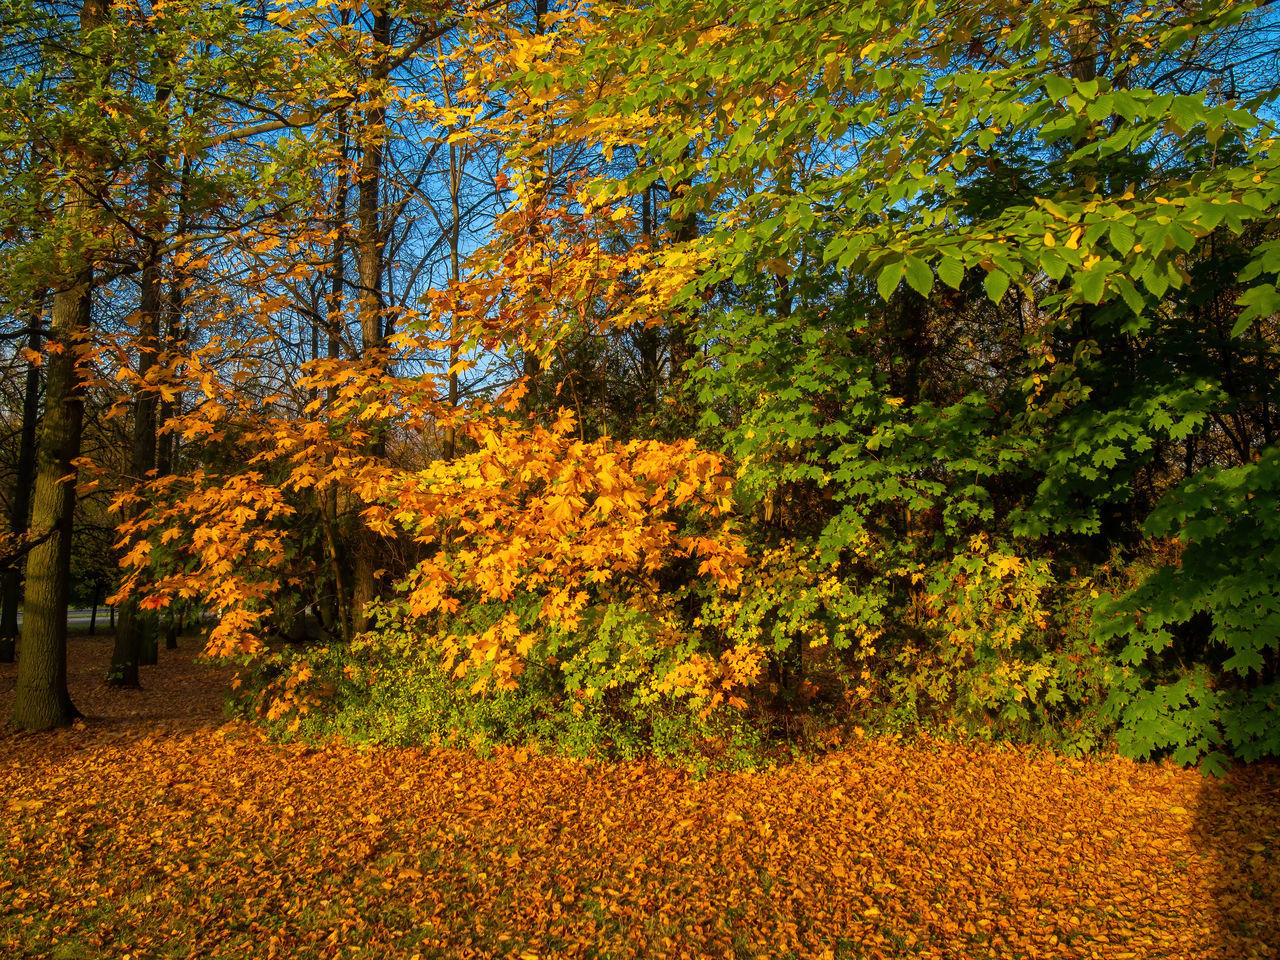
column 328, row 443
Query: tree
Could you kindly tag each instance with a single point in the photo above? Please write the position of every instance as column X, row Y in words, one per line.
column 41, row 700
column 91, row 179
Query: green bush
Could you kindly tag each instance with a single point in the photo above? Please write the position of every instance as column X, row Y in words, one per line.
column 372, row 692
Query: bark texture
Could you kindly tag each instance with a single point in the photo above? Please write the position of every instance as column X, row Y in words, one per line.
column 41, row 700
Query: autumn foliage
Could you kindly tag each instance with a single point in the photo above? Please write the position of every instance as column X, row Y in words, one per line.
column 906, row 366
column 657, row 479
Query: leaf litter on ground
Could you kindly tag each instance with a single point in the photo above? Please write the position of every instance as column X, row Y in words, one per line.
column 154, row 829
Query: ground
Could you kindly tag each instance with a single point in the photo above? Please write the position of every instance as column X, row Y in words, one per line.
column 154, row 829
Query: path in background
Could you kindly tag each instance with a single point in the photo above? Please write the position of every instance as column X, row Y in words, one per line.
column 78, row 617
column 81, row 617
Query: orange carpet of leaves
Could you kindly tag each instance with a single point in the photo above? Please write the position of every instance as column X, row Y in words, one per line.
column 151, row 831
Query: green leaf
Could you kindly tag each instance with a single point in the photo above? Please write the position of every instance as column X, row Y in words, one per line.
column 1056, row 86
column 1054, row 265
column 1130, row 294
column 951, row 271
column 919, row 275
column 1121, row 238
column 1092, row 284
column 889, row 277
column 1260, row 301
column 996, row 283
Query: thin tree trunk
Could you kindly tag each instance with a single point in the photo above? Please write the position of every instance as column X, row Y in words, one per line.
column 531, row 364
column 646, row 340
column 167, row 444
column 339, row 609
column 455, row 274
column 136, row 636
column 369, row 237
column 369, row 242
column 684, row 229
column 175, row 309
column 339, row 581
column 20, row 512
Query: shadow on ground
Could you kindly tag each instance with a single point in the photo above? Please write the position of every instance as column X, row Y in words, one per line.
column 1236, row 835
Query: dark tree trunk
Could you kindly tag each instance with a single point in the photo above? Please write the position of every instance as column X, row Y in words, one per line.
column 335, row 610
column 136, row 636
column 455, row 274
column 531, row 363
column 369, row 242
column 20, row 512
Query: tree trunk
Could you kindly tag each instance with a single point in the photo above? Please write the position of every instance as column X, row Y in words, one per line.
column 369, row 242
column 336, row 610
column 20, row 513
column 136, row 636
column 683, row 225
column 369, row 237
column 539, row 181
column 41, row 700
column 175, row 310
column 455, row 274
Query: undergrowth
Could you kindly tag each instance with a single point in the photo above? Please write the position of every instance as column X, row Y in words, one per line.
column 365, row 695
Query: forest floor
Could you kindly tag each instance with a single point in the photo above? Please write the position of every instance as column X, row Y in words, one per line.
column 154, row 829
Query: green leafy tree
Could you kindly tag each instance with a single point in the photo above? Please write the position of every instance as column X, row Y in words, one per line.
column 955, row 265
